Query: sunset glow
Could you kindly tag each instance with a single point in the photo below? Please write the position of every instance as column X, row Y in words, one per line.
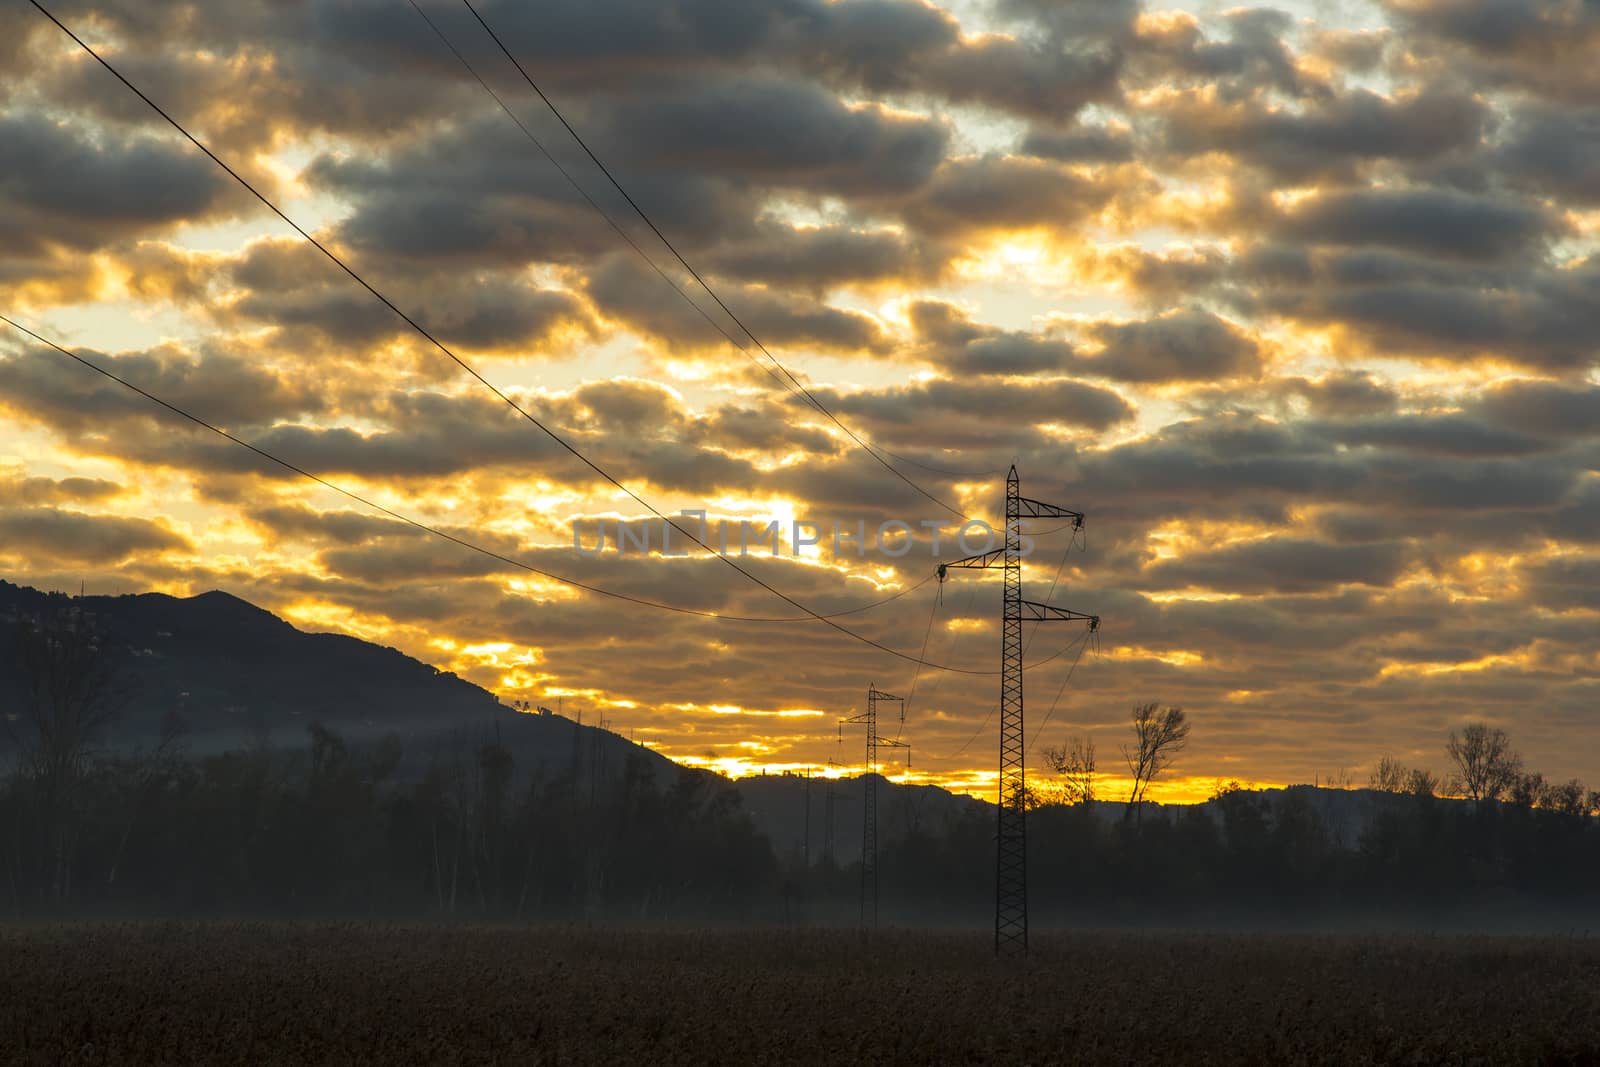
column 1299, row 305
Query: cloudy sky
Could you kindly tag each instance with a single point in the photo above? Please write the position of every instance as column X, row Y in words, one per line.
column 1299, row 303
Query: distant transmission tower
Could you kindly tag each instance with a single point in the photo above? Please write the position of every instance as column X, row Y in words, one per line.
column 805, row 839
column 1011, row 840
column 830, row 794
column 869, row 783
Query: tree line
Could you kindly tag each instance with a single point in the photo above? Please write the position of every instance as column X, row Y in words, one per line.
column 327, row 827
column 1485, row 768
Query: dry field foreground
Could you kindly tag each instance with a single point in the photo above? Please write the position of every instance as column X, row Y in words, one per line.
column 277, row 993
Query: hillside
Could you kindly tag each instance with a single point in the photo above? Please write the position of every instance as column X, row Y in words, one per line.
column 235, row 672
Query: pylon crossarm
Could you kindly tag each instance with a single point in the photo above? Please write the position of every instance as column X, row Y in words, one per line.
column 1038, row 509
column 1034, row 611
column 980, row 561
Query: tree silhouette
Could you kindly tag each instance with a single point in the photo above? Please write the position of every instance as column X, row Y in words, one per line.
column 1422, row 783
column 1390, row 776
column 1074, row 761
column 1486, row 766
column 73, row 689
column 1158, row 737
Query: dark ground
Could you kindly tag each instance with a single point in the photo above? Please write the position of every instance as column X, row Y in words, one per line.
column 280, row 993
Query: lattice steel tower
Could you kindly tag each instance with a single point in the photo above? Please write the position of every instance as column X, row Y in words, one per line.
column 869, row 786
column 1011, row 837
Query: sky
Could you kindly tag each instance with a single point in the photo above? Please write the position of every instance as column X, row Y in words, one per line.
column 1298, row 304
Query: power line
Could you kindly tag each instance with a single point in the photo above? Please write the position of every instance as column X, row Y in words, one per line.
column 648, row 221
column 1052, row 709
column 599, row 209
column 433, row 530
column 927, row 632
column 1057, row 654
column 1029, row 642
column 991, row 472
column 442, row 347
column 471, row 546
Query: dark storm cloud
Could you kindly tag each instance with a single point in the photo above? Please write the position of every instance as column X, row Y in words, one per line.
column 296, row 522
column 1351, row 527
column 1282, row 565
column 950, row 339
column 1327, row 136
column 50, row 533
column 1182, row 345
column 1538, row 46
column 1430, row 222
column 627, row 291
column 1440, row 435
column 1553, row 151
column 1354, row 50
column 15, row 488
column 1009, row 353
column 819, row 258
column 1486, row 486
column 42, row 385
column 1038, row 79
column 1255, row 55
column 1346, row 393
column 478, row 192
column 634, row 428
column 1226, row 461
column 1110, row 19
column 724, row 126
column 1566, row 584
column 1080, row 144
column 632, row 407
column 293, row 287
column 994, row 192
column 1044, row 400
column 769, row 428
column 1501, row 27
column 1543, row 407
column 880, row 46
column 1578, row 519
column 1161, row 278
column 1543, row 315
column 383, row 562
column 1429, row 478
column 62, row 185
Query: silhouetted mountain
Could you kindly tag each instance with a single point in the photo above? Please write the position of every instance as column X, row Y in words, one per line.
column 234, row 671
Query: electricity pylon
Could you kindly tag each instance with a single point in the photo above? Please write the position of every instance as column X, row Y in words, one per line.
column 869, row 784
column 1011, row 838
column 829, row 795
column 805, row 839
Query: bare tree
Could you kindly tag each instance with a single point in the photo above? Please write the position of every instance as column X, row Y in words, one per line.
column 72, row 690
column 1389, row 777
column 1075, row 763
column 1486, row 767
column 1422, row 783
column 148, row 772
column 1158, row 738
column 1568, row 798
column 1528, row 791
